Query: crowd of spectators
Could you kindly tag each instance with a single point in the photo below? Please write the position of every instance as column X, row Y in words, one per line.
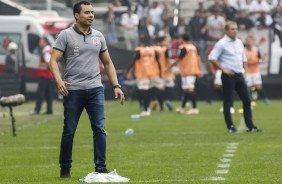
column 206, row 26
column 147, row 18
column 253, row 14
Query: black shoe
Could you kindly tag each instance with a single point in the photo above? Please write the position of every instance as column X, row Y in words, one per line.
column 104, row 170
column 48, row 113
column 255, row 129
column 65, row 173
column 232, row 130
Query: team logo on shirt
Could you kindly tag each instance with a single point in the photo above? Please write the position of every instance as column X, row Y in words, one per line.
column 96, row 41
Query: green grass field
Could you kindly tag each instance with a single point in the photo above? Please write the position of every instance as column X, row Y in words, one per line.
column 165, row 147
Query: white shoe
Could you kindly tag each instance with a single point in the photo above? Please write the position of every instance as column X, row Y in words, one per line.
column 146, row 113
column 193, row 111
column 232, row 110
column 180, row 110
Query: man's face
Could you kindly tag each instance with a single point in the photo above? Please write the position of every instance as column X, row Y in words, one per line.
column 232, row 31
column 249, row 42
column 86, row 15
column 41, row 43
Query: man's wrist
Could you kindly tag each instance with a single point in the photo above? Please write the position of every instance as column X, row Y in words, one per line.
column 117, row 86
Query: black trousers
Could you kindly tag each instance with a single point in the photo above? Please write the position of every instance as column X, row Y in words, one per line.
column 229, row 84
column 44, row 91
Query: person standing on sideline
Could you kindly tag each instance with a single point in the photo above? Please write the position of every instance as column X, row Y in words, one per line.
column 228, row 56
column 11, row 58
column 81, row 46
column 217, row 84
column 45, row 84
column 190, row 67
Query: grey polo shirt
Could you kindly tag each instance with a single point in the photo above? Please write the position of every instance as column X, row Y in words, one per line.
column 81, row 57
column 230, row 53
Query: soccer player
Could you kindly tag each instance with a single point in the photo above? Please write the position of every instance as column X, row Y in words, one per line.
column 190, row 67
column 165, row 92
column 147, row 71
column 253, row 76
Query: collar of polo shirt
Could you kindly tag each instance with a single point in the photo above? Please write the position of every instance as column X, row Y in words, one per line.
column 79, row 32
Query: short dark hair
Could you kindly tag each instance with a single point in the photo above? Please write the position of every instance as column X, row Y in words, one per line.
column 186, row 37
column 145, row 39
column 160, row 39
column 77, row 6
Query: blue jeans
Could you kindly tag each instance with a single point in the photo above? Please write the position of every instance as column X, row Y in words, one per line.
column 93, row 101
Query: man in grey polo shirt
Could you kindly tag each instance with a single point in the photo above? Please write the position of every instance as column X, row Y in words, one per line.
column 80, row 46
column 228, row 55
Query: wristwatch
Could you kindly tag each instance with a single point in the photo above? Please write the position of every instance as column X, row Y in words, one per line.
column 117, row 86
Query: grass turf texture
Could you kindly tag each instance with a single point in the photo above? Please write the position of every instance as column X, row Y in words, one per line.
column 165, row 147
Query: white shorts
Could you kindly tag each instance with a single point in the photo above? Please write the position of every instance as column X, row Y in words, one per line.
column 188, row 82
column 253, row 79
column 143, row 84
column 169, row 82
column 217, row 78
column 156, row 82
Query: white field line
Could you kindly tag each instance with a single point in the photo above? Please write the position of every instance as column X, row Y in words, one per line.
column 228, row 155
column 233, row 144
column 225, row 171
column 223, row 165
column 215, row 179
column 34, row 148
column 225, row 162
column 232, row 147
column 180, row 181
column 164, row 181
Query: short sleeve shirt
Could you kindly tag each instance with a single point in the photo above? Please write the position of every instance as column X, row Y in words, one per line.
column 81, row 57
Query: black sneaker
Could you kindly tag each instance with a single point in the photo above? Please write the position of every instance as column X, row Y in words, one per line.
column 232, row 130
column 65, row 173
column 254, row 130
column 48, row 113
column 104, row 170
